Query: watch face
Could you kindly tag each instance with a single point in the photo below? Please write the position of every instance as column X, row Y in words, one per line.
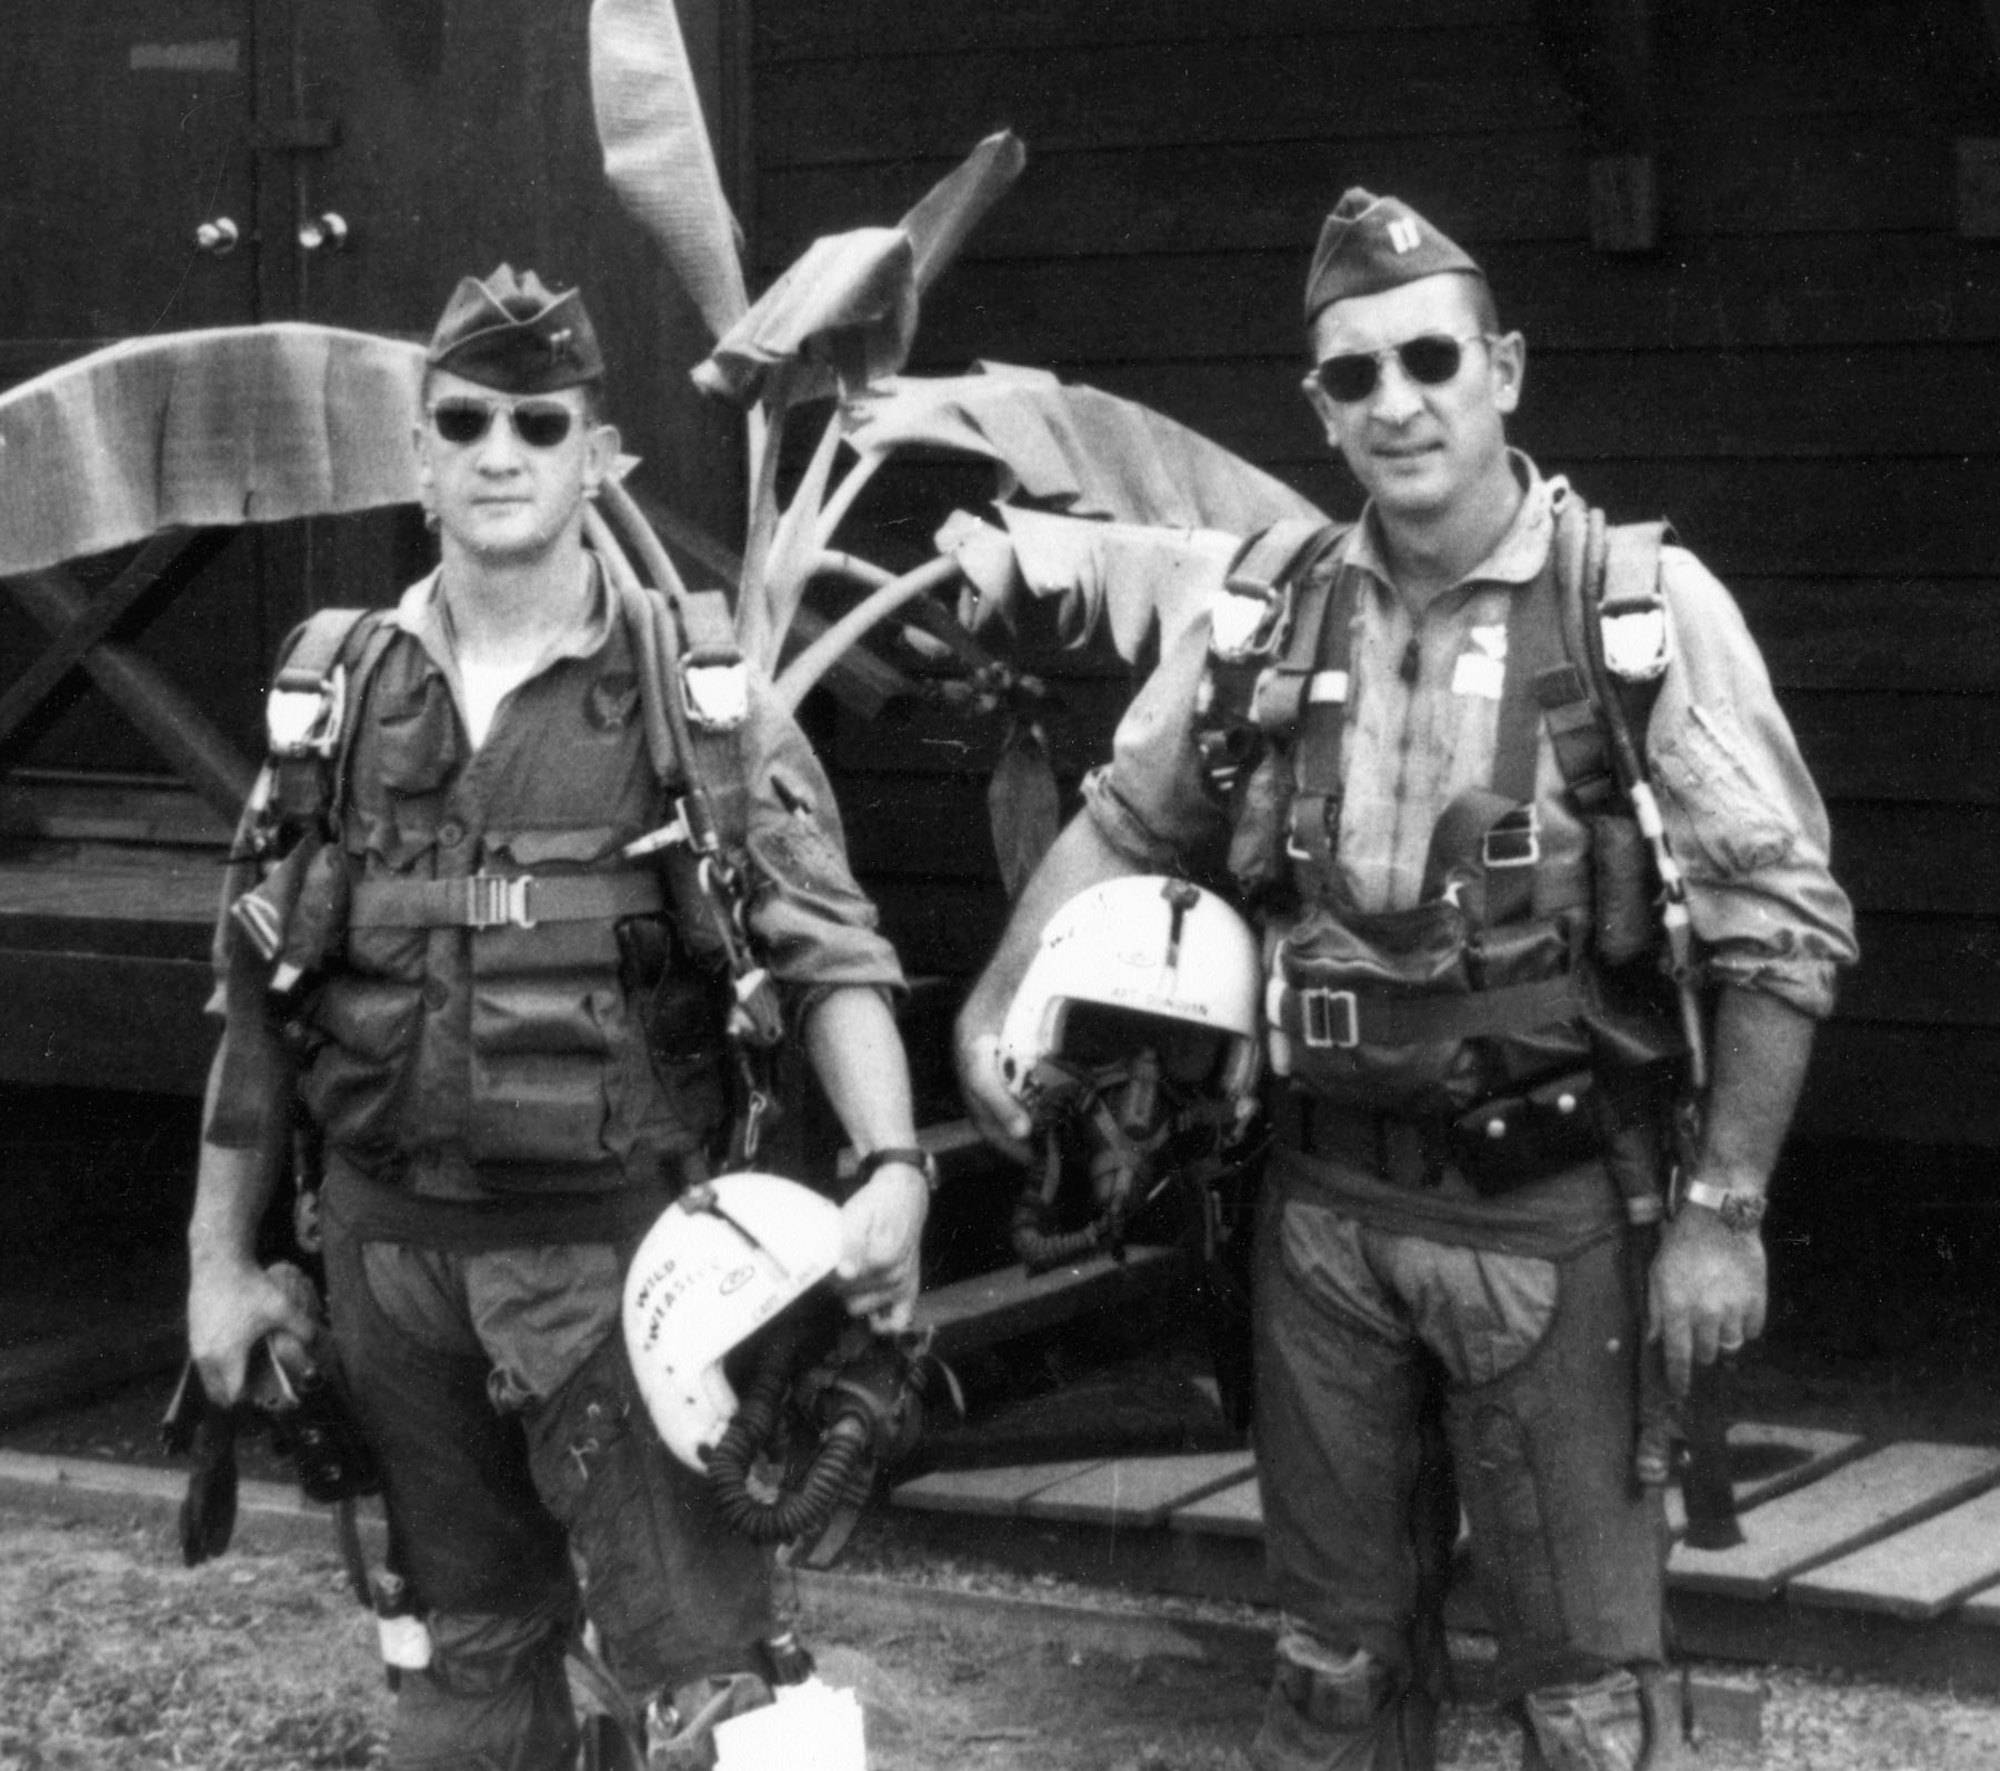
column 1741, row 1212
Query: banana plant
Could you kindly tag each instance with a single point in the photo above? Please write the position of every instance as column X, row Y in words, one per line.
column 1124, row 518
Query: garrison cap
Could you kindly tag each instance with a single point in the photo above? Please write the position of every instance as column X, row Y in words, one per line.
column 511, row 334
column 1372, row 243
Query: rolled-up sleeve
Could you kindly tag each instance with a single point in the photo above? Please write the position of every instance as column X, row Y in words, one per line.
column 1746, row 822
column 1150, row 802
column 816, row 928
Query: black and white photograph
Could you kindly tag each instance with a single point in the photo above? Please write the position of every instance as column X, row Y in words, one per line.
column 1085, row 885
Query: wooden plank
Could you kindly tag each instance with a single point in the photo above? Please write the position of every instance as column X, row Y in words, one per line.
column 1919, row 859
column 1856, row 1504
column 1930, row 1085
column 1982, row 1609
column 1917, row 1574
column 1878, row 633
column 1779, row 60
column 1937, row 971
column 1906, row 747
column 1032, row 294
column 87, row 1021
column 162, row 566
column 1139, row 1492
column 1229, row 1512
column 1493, row 78
column 112, row 811
column 989, row 1493
column 1767, row 1461
column 177, row 725
column 90, row 886
column 56, row 1373
column 1817, row 199
column 998, row 1306
column 808, row 32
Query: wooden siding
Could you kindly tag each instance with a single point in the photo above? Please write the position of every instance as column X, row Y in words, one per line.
column 1803, row 375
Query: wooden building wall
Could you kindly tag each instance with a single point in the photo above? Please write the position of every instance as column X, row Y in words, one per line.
column 1803, row 374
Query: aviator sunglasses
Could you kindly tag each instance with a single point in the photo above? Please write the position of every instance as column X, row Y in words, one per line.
column 1430, row 361
column 541, row 424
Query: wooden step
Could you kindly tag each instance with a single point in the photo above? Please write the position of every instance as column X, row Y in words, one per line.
column 1236, row 1511
column 1001, row 1493
column 1133, row 1493
column 1767, row 1461
column 1870, row 1498
column 999, row 1306
column 1918, row 1574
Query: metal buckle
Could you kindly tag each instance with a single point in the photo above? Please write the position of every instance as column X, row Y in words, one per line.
column 718, row 695
column 1249, row 621
column 1513, row 842
column 301, row 722
column 1330, row 1018
column 493, row 901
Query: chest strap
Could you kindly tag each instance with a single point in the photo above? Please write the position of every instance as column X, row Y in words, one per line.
column 1247, row 694
column 1322, row 1019
column 493, row 900
column 309, row 713
column 1317, row 679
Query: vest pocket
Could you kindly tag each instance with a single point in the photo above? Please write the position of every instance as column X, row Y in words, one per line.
column 538, row 1085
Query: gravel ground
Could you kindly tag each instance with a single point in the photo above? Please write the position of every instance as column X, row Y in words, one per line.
column 114, row 1658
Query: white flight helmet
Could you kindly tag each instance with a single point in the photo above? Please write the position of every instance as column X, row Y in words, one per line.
column 1144, row 960
column 718, row 1264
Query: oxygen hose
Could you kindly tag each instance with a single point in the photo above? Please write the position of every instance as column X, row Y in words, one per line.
column 798, row 1511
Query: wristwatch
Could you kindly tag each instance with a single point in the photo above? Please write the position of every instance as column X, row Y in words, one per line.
column 921, row 1160
column 1738, row 1211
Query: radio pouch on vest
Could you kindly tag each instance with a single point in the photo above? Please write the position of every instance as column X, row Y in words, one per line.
column 1438, row 1009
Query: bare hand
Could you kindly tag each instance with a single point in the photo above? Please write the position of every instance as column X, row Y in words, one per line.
column 998, row 1118
column 1707, row 1292
column 881, row 1239
column 232, row 1307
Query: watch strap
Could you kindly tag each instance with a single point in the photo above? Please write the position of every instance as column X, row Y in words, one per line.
column 912, row 1155
column 1739, row 1211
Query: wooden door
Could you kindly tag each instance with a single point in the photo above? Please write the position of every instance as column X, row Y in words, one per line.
column 134, row 172
column 463, row 138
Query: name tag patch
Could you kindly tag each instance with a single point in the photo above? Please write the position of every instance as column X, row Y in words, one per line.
column 1482, row 668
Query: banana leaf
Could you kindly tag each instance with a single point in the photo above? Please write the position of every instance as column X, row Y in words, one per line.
column 850, row 296
column 1129, row 579
column 852, row 299
column 249, row 424
column 657, row 154
column 1077, row 450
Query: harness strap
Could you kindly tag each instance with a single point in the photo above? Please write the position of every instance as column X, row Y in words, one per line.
column 308, row 711
column 1318, row 660
column 1249, row 695
column 492, row 900
column 1493, row 843
column 1324, row 1019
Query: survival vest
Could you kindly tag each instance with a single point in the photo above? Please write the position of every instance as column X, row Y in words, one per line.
column 675, row 901
column 1509, row 1010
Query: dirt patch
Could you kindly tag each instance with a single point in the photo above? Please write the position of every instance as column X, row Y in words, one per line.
column 115, row 1658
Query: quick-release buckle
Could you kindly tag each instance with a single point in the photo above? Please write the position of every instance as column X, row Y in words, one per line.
column 494, row 901
column 305, row 720
column 1330, row 1019
column 1515, row 841
column 1248, row 623
column 717, row 693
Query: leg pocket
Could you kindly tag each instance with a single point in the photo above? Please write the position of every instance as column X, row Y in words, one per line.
column 1480, row 1312
column 673, row 1591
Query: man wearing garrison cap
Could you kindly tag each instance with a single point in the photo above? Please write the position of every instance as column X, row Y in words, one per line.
column 1463, row 1294
column 508, row 1038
